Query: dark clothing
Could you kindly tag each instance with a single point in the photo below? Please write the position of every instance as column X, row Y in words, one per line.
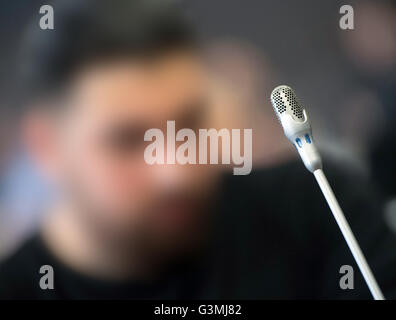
column 275, row 238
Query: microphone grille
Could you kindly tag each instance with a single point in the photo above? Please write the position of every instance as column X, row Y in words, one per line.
column 284, row 99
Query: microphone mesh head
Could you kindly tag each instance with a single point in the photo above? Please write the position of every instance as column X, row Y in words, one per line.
column 284, row 99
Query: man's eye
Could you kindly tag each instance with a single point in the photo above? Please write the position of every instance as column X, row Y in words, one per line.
column 125, row 140
column 194, row 122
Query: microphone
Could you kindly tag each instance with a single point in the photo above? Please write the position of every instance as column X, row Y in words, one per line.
column 297, row 128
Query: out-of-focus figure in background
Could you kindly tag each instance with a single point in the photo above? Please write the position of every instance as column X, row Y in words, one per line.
column 347, row 76
column 113, row 226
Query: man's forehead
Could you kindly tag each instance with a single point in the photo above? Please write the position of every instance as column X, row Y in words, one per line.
column 162, row 89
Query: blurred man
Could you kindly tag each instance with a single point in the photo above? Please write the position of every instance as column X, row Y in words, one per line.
column 120, row 228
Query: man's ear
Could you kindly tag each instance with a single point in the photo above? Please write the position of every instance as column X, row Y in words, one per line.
column 39, row 136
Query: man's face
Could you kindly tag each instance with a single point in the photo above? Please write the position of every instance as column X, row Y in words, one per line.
column 97, row 149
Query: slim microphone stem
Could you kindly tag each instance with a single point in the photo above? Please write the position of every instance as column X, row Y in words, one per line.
column 348, row 235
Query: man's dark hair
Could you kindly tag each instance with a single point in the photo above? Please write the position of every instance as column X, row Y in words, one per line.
column 86, row 31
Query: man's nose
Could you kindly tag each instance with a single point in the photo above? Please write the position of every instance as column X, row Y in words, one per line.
column 171, row 176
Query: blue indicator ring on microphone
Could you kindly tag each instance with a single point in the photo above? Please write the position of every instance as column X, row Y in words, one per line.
column 299, row 143
column 307, row 138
